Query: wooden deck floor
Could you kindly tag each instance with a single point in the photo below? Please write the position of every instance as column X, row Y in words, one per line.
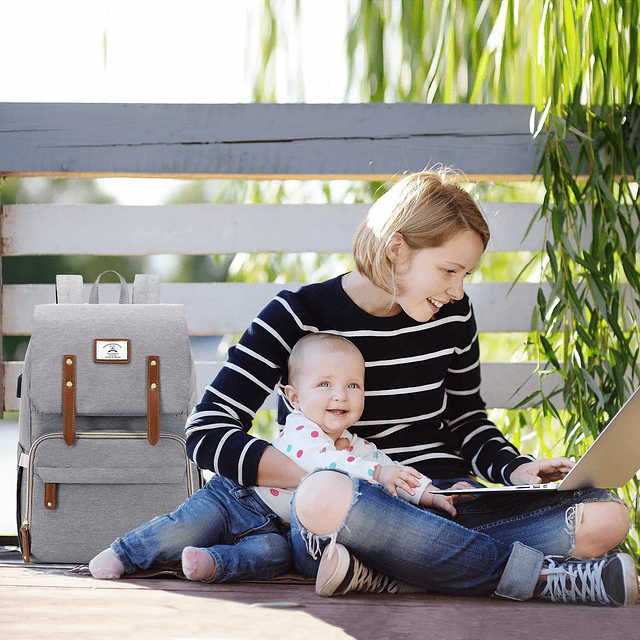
column 52, row 602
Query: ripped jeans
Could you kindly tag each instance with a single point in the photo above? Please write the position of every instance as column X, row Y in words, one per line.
column 495, row 545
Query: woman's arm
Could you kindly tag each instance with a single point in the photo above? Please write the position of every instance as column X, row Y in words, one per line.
column 275, row 469
column 217, row 430
column 490, row 454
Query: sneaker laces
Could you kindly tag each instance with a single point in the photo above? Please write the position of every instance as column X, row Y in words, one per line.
column 367, row 580
column 575, row 582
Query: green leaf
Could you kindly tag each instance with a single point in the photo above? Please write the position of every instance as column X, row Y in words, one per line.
column 550, row 353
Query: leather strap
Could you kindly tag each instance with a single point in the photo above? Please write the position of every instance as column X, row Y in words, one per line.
column 25, row 543
column 69, row 399
column 50, row 495
column 153, row 399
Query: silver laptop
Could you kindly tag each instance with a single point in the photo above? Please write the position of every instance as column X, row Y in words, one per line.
column 610, row 462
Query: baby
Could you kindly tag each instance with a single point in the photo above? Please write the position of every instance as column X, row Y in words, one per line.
column 326, row 389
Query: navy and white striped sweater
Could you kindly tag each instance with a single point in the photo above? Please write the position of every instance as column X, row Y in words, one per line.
column 422, row 400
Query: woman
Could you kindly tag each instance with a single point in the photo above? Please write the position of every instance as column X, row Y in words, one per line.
column 405, row 308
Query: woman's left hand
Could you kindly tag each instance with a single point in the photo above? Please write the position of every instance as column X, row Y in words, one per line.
column 541, row 471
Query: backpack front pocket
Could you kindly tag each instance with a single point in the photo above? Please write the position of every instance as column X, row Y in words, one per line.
column 79, row 499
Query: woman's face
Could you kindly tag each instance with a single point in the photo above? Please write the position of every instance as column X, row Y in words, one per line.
column 427, row 279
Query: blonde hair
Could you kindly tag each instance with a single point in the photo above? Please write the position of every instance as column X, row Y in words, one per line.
column 328, row 341
column 427, row 209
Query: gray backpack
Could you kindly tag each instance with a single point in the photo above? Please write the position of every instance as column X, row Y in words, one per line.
column 104, row 396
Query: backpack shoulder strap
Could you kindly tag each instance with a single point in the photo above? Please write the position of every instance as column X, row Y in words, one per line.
column 146, row 289
column 69, row 289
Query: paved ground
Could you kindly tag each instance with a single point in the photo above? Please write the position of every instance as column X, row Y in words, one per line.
column 53, row 603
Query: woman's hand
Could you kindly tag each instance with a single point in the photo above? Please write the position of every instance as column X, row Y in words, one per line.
column 538, row 471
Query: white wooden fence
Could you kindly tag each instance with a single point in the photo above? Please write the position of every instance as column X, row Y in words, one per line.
column 353, row 142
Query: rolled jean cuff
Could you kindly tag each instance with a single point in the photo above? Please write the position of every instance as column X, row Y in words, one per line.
column 521, row 574
column 119, row 548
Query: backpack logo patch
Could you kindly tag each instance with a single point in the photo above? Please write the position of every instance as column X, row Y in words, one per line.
column 112, row 350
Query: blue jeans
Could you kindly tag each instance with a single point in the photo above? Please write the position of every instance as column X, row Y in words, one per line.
column 495, row 545
column 246, row 540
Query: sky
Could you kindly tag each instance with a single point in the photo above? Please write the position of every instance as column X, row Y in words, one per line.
column 192, row 51
column 161, row 51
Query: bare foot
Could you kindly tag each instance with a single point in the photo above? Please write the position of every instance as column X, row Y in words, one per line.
column 197, row 564
column 106, row 566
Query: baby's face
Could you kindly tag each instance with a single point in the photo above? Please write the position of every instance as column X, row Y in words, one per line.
column 330, row 388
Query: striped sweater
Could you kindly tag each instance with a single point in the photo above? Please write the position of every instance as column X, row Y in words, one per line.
column 423, row 406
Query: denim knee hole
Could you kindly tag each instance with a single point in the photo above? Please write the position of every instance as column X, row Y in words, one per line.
column 314, row 542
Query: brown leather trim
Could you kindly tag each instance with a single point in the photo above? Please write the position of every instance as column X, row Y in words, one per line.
column 153, row 399
column 26, row 550
column 69, row 399
column 50, row 490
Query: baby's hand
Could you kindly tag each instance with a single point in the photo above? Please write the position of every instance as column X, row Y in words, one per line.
column 393, row 477
column 444, row 503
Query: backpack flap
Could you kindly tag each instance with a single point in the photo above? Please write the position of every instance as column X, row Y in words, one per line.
column 111, row 345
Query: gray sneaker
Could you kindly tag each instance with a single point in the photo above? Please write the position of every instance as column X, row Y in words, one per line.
column 611, row 580
column 339, row 572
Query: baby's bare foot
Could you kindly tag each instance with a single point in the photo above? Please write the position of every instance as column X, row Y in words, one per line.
column 106, row 566
column 197, row 564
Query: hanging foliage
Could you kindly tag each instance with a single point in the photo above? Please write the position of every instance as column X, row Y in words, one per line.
column 590, row 166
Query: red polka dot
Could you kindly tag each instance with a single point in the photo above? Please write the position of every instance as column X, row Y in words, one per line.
column 314, row 434
column 300, row 427
column 350, row 459
column 299, row 454
column 275, row 492
column 350, row 448
column 367, row 442
column 323, row 450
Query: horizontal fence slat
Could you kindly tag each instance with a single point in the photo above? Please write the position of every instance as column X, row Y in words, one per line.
column 225, row 307
column 44, row 229
column 247, row 140
column 522, row 377
column 179, row 229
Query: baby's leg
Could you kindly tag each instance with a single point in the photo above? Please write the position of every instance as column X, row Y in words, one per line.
column 202, row 520
column 258, row 556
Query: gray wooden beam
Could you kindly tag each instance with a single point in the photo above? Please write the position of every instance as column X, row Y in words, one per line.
column 43, row 229
column 229, row 307
column 358, row 141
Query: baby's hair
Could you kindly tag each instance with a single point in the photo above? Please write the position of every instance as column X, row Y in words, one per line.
column 328, row 341
column 428, row 209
